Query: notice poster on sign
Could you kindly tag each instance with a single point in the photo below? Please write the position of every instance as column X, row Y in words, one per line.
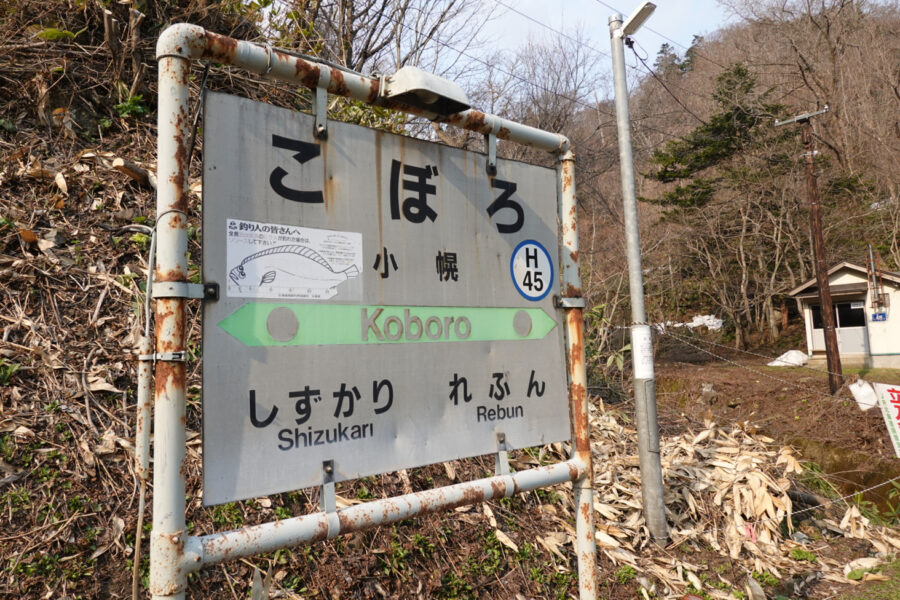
column 386, row 303
column 272, row 260
column 889, row 401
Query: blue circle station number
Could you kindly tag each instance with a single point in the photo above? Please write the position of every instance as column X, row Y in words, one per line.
column 532, row 270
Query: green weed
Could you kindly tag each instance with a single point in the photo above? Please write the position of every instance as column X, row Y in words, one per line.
column 394, row 560
column 801, row 554
column 7, row 370
column 16, row 498
column 133, row 107
column 625, row 574
column 227, row 516
column 455, row 588
column 422, row 545
column 765, row 578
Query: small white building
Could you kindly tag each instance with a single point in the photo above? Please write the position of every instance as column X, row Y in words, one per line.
column 868, row 335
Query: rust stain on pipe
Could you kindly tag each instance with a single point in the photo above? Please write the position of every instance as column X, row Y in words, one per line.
column 306, row 72
column 219, row 48
column 374, row 90
column 572, row 291
column 338, row 85
column 577, row 391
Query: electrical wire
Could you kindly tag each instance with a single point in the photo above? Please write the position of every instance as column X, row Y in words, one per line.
column 583, row 45
column 663, row 83
column 748, row 352
column 573, row 100
column 651, row 30
column 752, row 370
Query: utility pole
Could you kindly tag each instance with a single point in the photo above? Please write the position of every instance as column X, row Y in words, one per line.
column 641, row 342
column 832, row 355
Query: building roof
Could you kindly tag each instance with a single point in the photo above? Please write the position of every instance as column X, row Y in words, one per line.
column 809, row 289
column 845, row 289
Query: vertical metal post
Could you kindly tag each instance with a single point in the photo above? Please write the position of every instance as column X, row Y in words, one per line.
column 142, row 442
column 832, row 354
column 586, row 546
column 167, row 579
column 641, row 343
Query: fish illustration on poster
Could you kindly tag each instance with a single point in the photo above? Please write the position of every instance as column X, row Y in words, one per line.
column 271, row 260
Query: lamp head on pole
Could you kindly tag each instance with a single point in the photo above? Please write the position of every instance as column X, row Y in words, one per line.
column 426, row 91
column 637, row 18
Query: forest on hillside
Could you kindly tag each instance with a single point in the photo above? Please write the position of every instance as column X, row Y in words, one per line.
column 724, row 220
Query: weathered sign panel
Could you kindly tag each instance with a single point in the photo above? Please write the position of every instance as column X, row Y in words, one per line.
column 384, row 303
column 889, row 402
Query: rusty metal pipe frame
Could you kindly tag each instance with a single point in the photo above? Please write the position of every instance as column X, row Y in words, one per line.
column 174, row 554
column 194, row 42
column 166, row 578
column 585, row 544
column 211, row 549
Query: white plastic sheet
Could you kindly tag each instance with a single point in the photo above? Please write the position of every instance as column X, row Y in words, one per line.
column 791, row 358
column 864, row 394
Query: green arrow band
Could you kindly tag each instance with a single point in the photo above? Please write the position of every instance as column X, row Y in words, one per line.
column 279, row 324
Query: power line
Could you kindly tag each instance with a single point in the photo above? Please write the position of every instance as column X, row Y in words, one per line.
column 557, row 32
column 651, row 30
column 686, row 341
column 583, row 45
column 663, row 84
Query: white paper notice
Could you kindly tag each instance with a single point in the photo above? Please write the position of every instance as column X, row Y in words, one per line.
column 642, row 352
column 269, row 260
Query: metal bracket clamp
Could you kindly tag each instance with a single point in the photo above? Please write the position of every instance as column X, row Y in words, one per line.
column 491, row 140
column 180, row 356
column 320, row 109
column 177, row 289
column 501, row 459
column 564, row 302
column 328, row 500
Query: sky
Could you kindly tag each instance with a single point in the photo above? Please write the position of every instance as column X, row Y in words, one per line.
column 679, row 20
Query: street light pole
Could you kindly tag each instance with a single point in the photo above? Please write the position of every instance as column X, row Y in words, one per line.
column 641, row 343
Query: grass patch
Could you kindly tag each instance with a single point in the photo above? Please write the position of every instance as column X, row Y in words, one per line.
column 891, row 376
column 878, row 590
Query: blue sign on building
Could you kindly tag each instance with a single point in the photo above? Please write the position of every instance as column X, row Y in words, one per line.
column 879, row 316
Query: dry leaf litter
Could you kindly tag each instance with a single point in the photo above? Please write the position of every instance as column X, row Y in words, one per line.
column 724, row 487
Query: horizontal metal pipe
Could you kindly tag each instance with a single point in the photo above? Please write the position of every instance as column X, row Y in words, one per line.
column 211, row 549
column 194, row 42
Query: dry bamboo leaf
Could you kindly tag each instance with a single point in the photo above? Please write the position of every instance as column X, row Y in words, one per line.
column 861, row 563
column 99, row 384
column 22, row 433
column 701, row 436
column 107, row 443
column 342, row 502
column 505, row 540
column 490, row 515
column 450, row 469
column 891, row 540
column 60, row 182
column 694, row 580
column 605, row 541
column 618, row 556
column 607, row 511
column 553, row 541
